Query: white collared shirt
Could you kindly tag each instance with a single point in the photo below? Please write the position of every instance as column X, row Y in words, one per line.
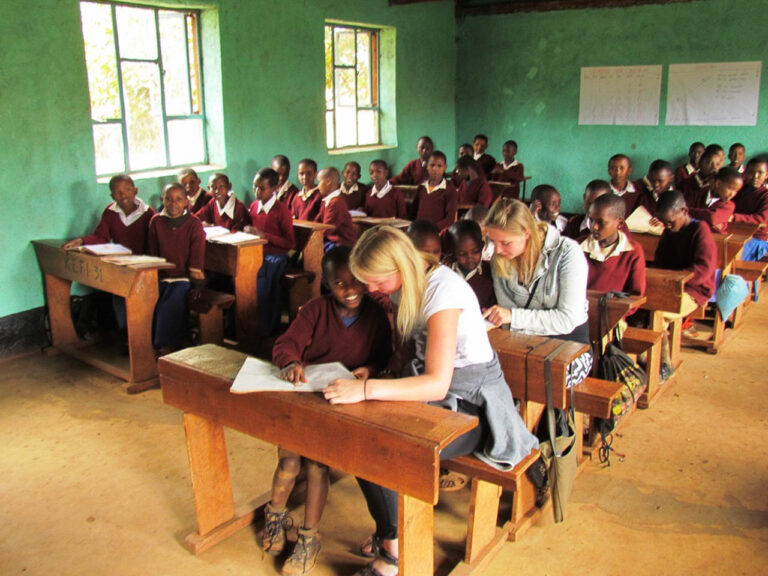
column 690, row 168
column 128, row 219
column 229, row 206
column 193, row 199
column 306, row 194
column 266, row 207
column 335, row 194
column 629, row 189
column 477, row 156
column 354, row 188
column 586, row 223
column 471, row 274
column 284, row 188
column 712, row 199
column 381, row 193
column 559, row 223
column 442, row 186
column 596, row 252
column 508, row 166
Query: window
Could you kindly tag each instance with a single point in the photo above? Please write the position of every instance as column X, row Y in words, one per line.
column 144, row 78
column 352, row 112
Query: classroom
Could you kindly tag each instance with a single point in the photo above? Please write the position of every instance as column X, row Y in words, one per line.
column 98, row 480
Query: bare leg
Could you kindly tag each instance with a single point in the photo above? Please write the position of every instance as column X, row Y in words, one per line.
column 283, row 481
column 317, row 494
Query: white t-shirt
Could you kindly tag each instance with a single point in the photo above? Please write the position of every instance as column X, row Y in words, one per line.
column 446, row 290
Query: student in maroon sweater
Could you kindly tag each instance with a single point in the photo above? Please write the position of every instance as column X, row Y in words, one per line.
column 334, row 211
column 196, row 196
column 383, row 200
column 685, row 171
column 620, row 169
column 272, row 221
column 718, row 206
column 545, row 206
column 177, row 236
column 415, row 172
column 579, row 225
column 472, row 184
column 306, row 203
column 352, row 190
column 696, row 189
column 658, row 180
column 485, row 161
column 736, row 155
column 286, row 190
column 224, row 209
column 345, row 326
column 467, row 245
column 425, row 235
column 509, row 170
column 616, row 262
column 752, row 207
column 436, row 198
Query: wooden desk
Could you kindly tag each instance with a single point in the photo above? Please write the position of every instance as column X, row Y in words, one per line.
column 138, row 284
column 617, row 308
column 649, row 242
column 366, row 222
column 241, row 262
column 743, row 228
column 309, row 242
column 664, row 293
column 405, row 437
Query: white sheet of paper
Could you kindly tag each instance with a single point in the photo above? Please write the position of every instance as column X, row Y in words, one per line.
column 214, row 231
column 235, row 238
column 620, row 95
column 262, row 376
column 639, row 222
column 104, row 249
column 133, row 259
column 357, row 214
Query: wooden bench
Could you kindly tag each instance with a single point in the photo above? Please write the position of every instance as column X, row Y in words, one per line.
column 309, row 246
column 210, row 309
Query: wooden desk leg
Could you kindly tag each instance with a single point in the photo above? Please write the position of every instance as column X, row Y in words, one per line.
column 139, row 310
column 246, row 300
column 416, row 528
column 60, row 311
column 675, row 341
column 652, row 370
column 483, row 514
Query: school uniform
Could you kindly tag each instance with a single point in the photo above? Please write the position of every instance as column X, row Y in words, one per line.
column 286, row 192
column 577, row 228
column 233, row 215
column 751, row 205
column 415, row 172
column 354, row 196
column 648, row 198
column 438, row 205
column 305, row 206
column 476, row 191
column 693, row 247
column 334, row 211
column 559, row 224
column 717, row 213
column 682, row 173
column 130, row 230
column 512, row 173
column 181, row 241
column 619, row 268
column 629, row 194
column 481, row 282
column 198, row 201
column 320, row 334
column 486, row 162
column 385, row 203
column 695, row 191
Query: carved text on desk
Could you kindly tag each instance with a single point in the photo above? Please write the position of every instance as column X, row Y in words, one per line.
column 89, row 272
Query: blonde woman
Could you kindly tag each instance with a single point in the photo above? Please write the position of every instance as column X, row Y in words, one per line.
column 454, row 366
column 540, row 279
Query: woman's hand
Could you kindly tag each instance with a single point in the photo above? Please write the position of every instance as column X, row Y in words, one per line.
column 345, row 391
column 293, row 373
column 497, row 315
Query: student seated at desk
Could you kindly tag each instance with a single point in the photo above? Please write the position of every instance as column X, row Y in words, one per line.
column 717, row 209
column 687, row 170
column 485, row 161
column 620, row 169
column 685, row 244
column 473, row 188
column 352, row 190
column 224, row 209
column 344, row 326
column 383, row 200
column 286, row 190
column 454, row 366
column 426, row 237
column 509, row 170
column 306, row 203
column 334, row 211
column 415, row 172
column 696, row 188
column 271, row 220
column 465, row 150
column 196, row 196
column 736, row 154
column 658, row 180
column 436, row 198
column 719, row 151
column 545, row 206
column 477, row 214
column 177, row 236
column 752, row 207
column 579, row 226
column 467, row 260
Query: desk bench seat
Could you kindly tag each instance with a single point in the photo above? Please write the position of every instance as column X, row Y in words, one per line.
column 297, row 285
column 210, row 308
column 644, row 341
column 595, row 397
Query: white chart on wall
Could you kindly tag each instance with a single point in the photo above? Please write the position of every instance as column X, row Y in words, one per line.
column 620, row 95
column 713, row 94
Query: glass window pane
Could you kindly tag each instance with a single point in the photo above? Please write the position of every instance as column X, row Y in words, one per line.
column 329, row 129
column 344, row 39
column 185, row 141
column 363, row 69
column 367, row 127
column 345, row 87
column 100, row 61
column 108, row 143
column 173, row 47
column 144, row 119
column 346, row 127
column 193, row 49
column 328, row 67
column 136, row 32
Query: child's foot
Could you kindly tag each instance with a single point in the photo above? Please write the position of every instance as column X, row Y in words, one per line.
column 304, row 556
column 384, row 565
column 275, row 525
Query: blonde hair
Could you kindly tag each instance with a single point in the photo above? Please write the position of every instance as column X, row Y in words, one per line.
column 514, row 217
column 383, row 251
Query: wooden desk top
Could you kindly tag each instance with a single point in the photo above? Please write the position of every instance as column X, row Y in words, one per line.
column 664, row 289
column 395, row 444
column 743, row 228
column 370, row 221
column 617, row 308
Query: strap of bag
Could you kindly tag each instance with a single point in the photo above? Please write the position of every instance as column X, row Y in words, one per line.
column 531, row 293
column 550, row 400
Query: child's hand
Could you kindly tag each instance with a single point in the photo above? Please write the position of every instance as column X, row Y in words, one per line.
column 497, row 315
column 76, row 243
column 655, row 221
column 345, row 391
column 293, row 373
column 253, row 230
column 362, row 373
column 535, row 207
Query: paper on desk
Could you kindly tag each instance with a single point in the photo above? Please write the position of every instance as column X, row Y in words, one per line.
column 132, row 259
column 357, row 214
column 104, row 249
column 639, row 222
column 214, row 231
column 261, row 376
column 234, row 238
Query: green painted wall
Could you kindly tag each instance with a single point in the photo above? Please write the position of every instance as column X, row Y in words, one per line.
column 518, row 77
column 273, row 99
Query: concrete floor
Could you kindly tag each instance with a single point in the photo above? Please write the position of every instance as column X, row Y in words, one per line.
column 93, row 481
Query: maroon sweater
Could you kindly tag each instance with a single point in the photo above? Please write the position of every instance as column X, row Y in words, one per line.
column 306, row 210
column 318, row 335
column 181, row 242
column 512, row 175
column 287, row 196
column 624, row 272
column 487, row 163
column 112, row 229
column 482, row 286
column 695, row 194
column 752, row 207
column 391, row 206
column 476, row 191
column 572, row 229
column 356, row 200
column 277, row 227
column 201, row 201
column 693, row 247
column 717, row 215
column 210, row 214
column 336, row 214
column 440, row 206
column 681, row 175
column 414, row 173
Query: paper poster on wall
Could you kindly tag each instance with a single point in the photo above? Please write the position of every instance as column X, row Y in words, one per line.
column 713, row 94
column 620, row 95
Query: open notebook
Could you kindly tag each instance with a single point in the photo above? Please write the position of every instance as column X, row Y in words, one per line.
column 639, row 222
column 103, row 249
column 262, row 376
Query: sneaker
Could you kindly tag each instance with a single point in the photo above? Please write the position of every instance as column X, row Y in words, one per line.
column 275, row 525
column 304, row 556
column 666, row 372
